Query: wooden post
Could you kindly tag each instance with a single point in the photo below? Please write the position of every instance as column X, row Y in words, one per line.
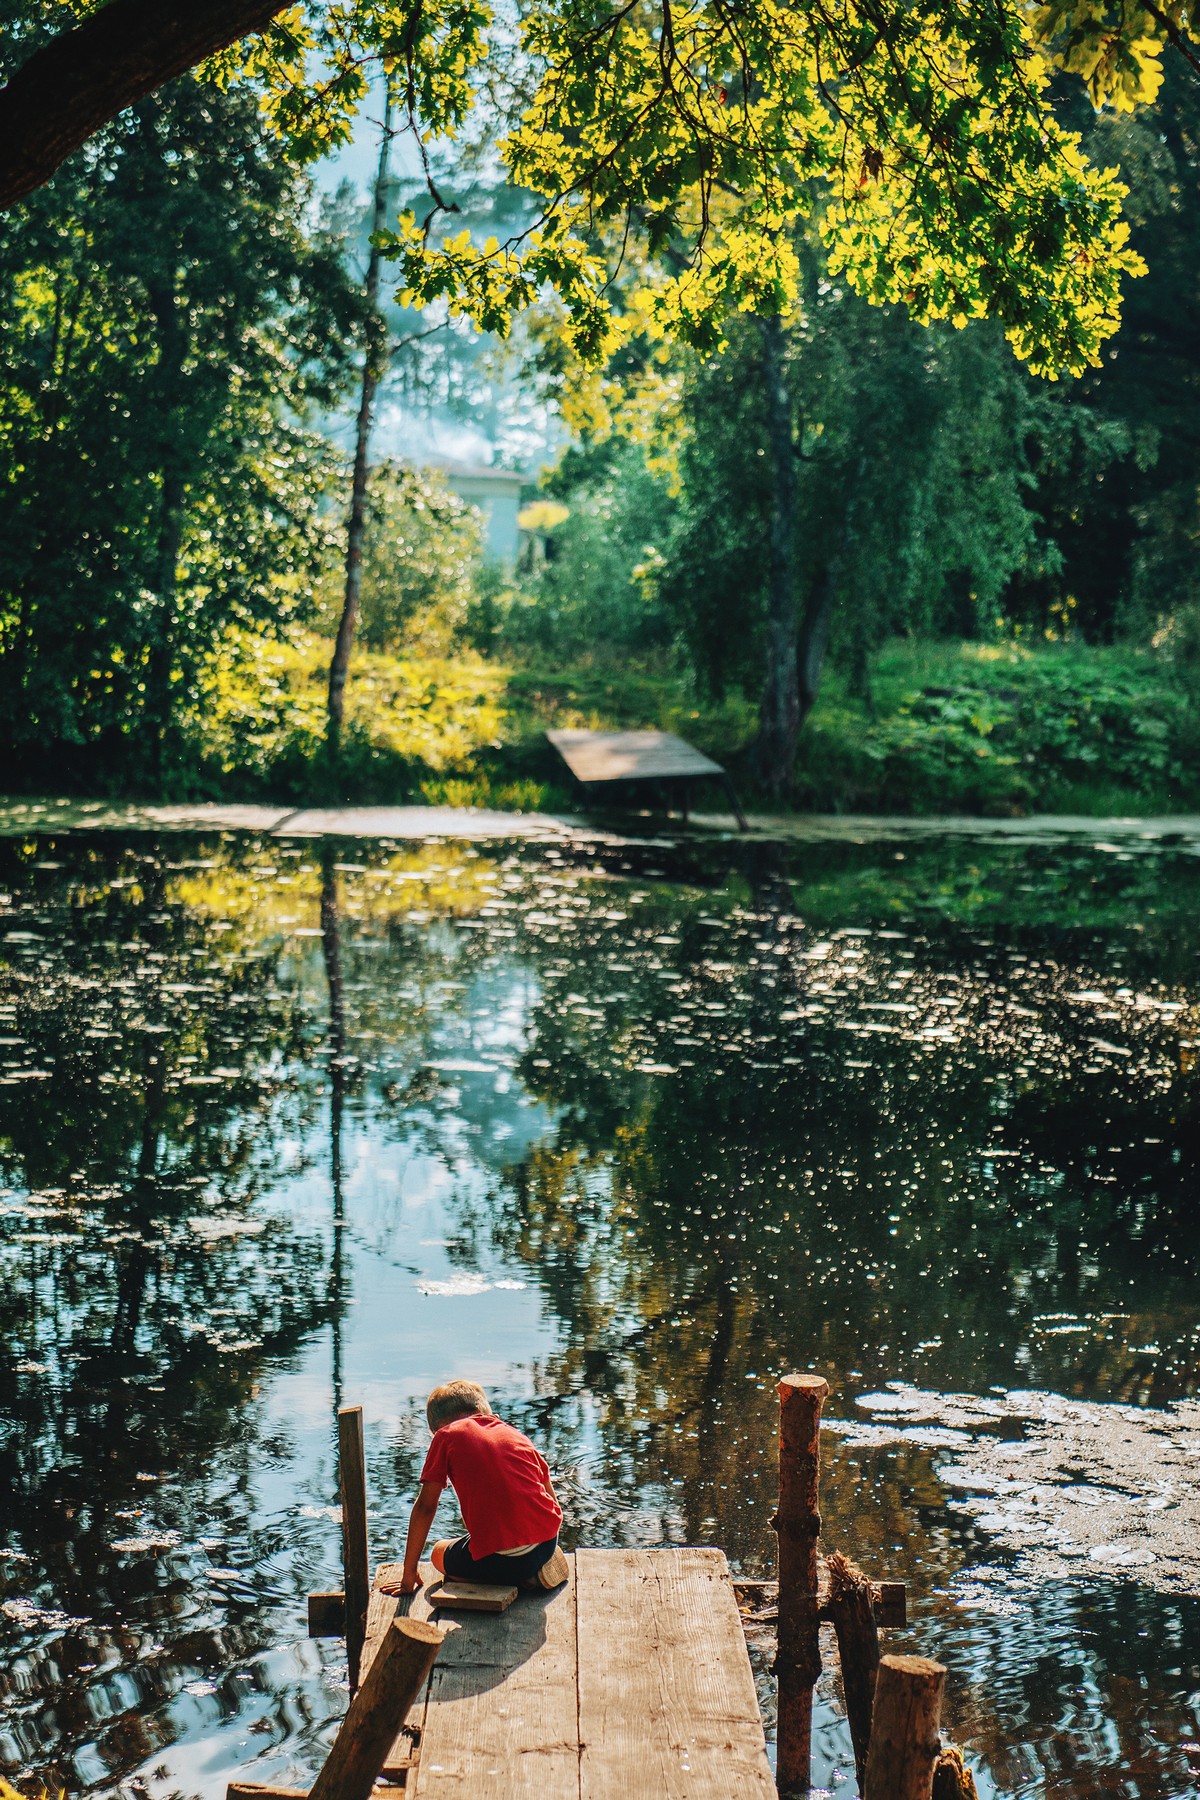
column 904, row 1729
column 352, row 1466
column 798, row 1524
column 376, row 1713
column 852, row 1610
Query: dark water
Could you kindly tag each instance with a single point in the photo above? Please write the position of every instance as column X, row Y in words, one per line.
column 622, row 1132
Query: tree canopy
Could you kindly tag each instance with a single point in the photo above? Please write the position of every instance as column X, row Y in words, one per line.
column 167, row 329
column 922, row 138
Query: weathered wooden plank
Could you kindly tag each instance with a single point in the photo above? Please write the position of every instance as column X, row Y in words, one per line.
column 630, row 756
column 666, row 1698
column 502, row 1715
column 470, row 1596
column 261, row 1790
column 888, row 1597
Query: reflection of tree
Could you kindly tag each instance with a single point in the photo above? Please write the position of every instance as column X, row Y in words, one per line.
column 144, row 1291
column 766, row 1204
column 898, row 1220
column 698, row 1230
column 331, row 946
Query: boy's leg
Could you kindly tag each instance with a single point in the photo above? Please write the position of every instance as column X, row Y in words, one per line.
column 437, row 1555
column 492, row 1571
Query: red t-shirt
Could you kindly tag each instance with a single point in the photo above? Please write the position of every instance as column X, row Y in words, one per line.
column 503, row 1485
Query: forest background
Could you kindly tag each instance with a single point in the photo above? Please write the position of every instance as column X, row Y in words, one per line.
column 995, row 576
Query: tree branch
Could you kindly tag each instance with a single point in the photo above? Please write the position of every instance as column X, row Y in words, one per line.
column 1173, row 32
column 80, row 80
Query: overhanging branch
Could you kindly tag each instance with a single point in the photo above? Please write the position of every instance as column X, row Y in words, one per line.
column 79, row 81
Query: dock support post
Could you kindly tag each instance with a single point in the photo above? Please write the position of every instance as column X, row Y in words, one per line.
column 904, row 1729
column 798, row 1524
column 394, row 1681
column 851, row 1609
column 352, row 1467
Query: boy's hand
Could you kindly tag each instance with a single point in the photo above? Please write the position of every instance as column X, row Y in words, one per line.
column 402, row 1584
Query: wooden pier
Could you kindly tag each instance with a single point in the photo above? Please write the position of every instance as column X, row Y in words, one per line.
column 632, row 758
column 632, row 1679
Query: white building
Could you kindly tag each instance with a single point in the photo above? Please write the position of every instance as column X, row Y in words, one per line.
column 497, row 494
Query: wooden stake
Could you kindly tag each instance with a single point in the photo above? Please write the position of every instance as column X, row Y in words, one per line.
column 851, row 1608
column 366, row 1734
column 952, row 1780
column 352, row 1466
column 798, row 1524
column 904, row 1729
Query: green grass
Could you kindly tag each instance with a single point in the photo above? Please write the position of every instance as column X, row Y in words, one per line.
column 997, row 729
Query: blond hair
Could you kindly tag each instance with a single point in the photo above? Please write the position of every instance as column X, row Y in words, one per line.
column 455, row 1400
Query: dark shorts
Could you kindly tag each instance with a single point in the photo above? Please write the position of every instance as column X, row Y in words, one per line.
column 496, row 1571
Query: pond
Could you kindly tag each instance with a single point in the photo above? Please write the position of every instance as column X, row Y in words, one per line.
column 623, row 1130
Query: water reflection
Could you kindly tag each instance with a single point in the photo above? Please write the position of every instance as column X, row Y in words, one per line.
column 622, row 1134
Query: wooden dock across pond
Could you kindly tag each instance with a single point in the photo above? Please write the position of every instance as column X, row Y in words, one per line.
column 596, row 758
column 631, row 1680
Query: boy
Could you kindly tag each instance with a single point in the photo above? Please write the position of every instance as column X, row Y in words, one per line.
column 504, row 1495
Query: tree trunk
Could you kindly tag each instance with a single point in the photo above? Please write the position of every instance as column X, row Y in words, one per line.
column 374, row 364
column 779, row 711
column 822, row 603
column 162, row 653
column 814, row 635
column 171, row 409
column 83, row 78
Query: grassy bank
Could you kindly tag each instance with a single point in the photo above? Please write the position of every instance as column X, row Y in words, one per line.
column 998, row 729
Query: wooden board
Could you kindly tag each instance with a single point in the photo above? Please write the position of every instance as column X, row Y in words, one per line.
column 630, row 756
column 502, row 1717
column 470, row 1596
column 667, row 1705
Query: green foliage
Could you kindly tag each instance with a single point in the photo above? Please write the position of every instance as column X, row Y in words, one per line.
column 912, row 466
column 165, row 324
column 260, row 727
column 583, row 584
column 423, row 547
column 922, row 137
column 1006, row 730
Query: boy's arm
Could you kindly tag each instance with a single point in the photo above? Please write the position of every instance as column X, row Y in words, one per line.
column 424, row 1507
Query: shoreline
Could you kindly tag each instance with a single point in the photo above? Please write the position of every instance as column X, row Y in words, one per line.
column 1120, row 833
